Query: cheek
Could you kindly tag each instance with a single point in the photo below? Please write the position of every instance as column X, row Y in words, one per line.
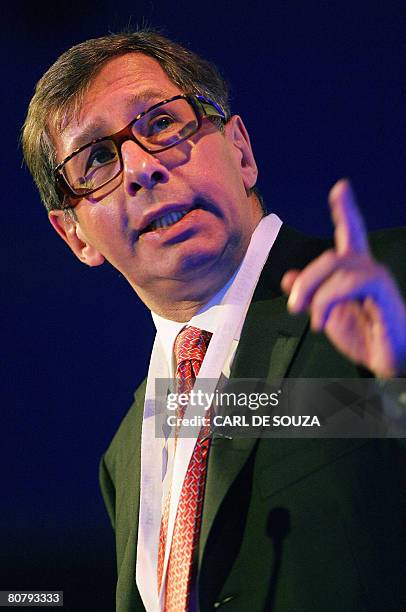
column 213, row 164
column 102, row 226
column 221, row 186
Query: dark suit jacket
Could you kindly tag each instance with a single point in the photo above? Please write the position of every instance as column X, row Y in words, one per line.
column 288, row 525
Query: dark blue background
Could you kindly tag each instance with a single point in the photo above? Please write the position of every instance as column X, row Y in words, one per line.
column 321, row 88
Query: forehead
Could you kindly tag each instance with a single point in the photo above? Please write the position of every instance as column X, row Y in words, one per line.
column 130, row 73
column 125, row 86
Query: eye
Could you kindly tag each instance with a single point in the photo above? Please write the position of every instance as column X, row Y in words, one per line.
column 159, row 124
column 101, row 155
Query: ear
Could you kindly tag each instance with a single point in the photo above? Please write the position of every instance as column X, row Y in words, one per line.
column 237, row 135
column 71, row 232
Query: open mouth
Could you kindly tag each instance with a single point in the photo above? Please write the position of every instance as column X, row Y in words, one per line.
column 165, row 221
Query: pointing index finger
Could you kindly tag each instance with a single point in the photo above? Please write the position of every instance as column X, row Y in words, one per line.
column 350, row 233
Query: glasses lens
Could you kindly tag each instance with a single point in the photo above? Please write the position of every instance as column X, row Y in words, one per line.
column 93, row 167
column 166, row 125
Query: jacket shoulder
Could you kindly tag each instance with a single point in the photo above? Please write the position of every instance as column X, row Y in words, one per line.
column 129, row 430
column 123, row 453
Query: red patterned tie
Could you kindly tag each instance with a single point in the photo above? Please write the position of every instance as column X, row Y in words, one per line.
column 190, row 348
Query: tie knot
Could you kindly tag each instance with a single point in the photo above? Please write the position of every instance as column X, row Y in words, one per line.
column 191, row 345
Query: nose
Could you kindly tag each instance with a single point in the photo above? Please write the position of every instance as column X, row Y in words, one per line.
column 141, row 169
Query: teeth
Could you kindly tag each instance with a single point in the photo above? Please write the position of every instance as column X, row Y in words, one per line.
column 167, row 220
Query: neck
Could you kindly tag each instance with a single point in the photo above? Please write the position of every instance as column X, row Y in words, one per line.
column 180, row 303
column 180, row 312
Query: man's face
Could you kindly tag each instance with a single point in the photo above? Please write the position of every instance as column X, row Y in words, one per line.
column 207, row 177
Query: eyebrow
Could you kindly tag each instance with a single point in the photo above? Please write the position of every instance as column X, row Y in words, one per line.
column 98, row 128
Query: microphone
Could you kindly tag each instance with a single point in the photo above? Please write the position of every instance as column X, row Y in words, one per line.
column 278, row 528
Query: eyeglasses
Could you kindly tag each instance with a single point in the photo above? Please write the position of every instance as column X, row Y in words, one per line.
column 157, row 129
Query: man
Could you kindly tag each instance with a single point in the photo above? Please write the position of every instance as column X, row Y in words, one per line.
column 138, row 161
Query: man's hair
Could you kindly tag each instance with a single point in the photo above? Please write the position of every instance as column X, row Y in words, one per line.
column 59, row 93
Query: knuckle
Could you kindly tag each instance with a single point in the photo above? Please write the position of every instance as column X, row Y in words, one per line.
column 318, row 303
column 299, row 283
column 329, row 257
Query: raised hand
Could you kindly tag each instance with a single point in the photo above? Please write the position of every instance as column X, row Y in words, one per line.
column 350, row 296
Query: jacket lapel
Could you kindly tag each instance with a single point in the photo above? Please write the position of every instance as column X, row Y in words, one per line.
column 269, row 341
column 254, row 360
